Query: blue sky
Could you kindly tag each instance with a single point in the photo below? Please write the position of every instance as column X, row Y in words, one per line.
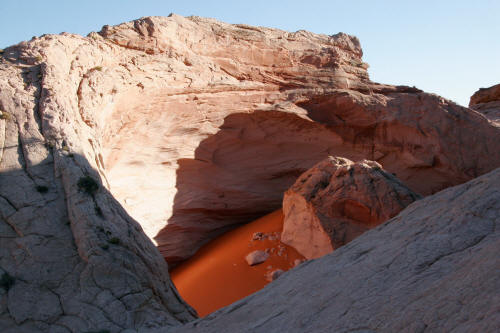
column 451, row 48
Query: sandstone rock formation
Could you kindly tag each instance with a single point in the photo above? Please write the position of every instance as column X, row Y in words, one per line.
column 190, row 127
column 434, row 267
column 197, row 126
column 487, row 102
column 336, row 201
column 273, row 275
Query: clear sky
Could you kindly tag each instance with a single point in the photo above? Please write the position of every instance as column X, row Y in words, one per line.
column 447, row 47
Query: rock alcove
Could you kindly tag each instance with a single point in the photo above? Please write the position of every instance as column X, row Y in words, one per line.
column 192, row 127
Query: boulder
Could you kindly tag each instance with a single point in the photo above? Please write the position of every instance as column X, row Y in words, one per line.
column 256, row 257
column 336, row 201
column 433, row 267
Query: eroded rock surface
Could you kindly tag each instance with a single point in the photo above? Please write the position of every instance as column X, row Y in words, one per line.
column 487, row 102
column 336, row 201
column 199, row 126
column 189, row 126
column 434, row 267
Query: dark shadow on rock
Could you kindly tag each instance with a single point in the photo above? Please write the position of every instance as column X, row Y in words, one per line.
column 239, row 174
column 70, row 255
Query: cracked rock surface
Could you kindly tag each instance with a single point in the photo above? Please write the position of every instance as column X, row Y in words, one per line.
column 432, row 268
column 71, row 258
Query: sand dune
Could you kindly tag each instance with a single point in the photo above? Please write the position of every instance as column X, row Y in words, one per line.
column 218, row 274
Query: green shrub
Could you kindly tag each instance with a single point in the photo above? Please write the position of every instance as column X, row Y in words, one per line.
column 5, row 115
column 88, row 185
column 6, row 281
column 114, row 240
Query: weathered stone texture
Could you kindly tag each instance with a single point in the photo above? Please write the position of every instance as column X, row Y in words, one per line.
column 434, row 268
column 487, row 102
column 337, row 200
column 190, row 127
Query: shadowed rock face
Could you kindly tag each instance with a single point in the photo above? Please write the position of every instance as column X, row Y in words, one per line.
column 433, row 267
column 487, row 102
column 196, row 126
column 336, row 201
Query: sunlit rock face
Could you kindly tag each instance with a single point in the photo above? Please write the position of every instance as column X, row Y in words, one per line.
column 196, row 126
column 210, row 123
column 487, row 102
column 336, row 201
column 182, row 128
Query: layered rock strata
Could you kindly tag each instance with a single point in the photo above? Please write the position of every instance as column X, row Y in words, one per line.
column 487, row 102
column 203, row 125
column 336, row 201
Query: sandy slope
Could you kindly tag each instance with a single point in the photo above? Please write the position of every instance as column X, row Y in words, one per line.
column 218, row 274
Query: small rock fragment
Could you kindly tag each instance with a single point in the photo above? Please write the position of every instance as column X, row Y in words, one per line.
column 297, row 262
column 281, row 250
column 257, row 236
column 256, row 257
column 271, row 276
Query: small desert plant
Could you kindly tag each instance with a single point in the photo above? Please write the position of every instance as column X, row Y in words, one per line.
column 114, row 240
column 5, row 115
column 97, row 68
column 88, row 185
column 42, row 189
column 6, row 281
column 39, row 58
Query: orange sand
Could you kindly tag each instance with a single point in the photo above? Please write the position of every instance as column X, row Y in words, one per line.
column 218, row 275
